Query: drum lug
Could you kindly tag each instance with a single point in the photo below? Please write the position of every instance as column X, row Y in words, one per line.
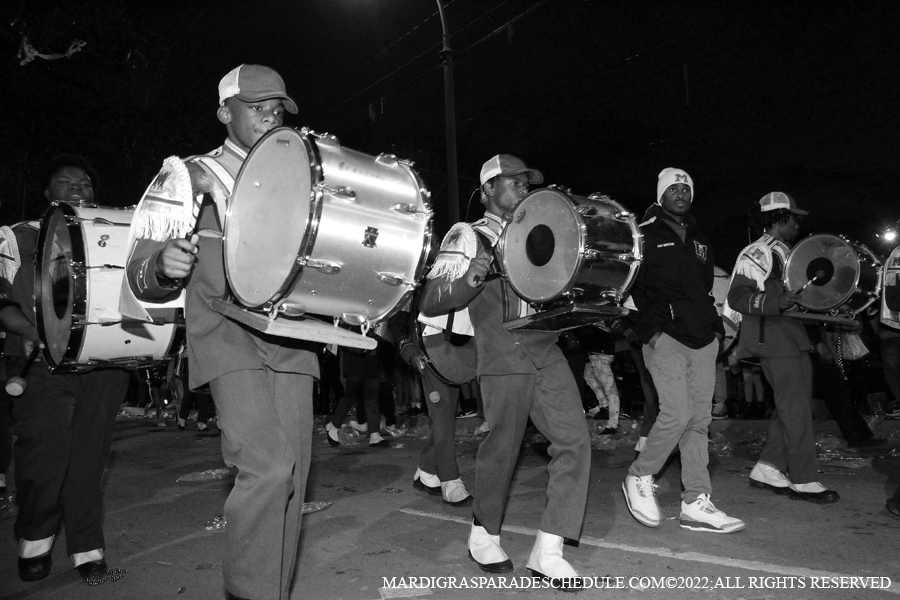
column 323, row 266
column 598, row 254
column 338, row 193
column 410, row 209
column 388, row 160
column 393, row 280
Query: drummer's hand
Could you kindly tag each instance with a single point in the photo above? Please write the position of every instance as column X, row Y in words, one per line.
column 478, row 268
column 29, row 343
column 787, row 300
column 418, row 360
column 177, row 258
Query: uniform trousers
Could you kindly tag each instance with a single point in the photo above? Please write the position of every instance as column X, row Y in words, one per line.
column 685, row 379
column 439, row 454
column 790, row 444
column 550, row 398
column 266, row 421
column 64, row 429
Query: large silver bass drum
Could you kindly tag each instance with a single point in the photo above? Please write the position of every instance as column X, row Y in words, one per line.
column 316, row 228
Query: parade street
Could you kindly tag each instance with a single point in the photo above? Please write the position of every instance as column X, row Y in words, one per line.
column 370, row 535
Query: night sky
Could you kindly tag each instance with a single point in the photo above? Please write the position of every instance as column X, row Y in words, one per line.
column 748, row 97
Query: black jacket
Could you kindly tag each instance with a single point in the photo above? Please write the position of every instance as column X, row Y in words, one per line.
column 673, row 288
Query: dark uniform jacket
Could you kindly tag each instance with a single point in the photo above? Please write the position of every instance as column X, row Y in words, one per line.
column 673, row 288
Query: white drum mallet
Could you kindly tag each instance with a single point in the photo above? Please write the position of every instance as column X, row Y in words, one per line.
column 15, row 386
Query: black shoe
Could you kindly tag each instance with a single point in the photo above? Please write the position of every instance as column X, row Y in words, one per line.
column 332, row 440
column 781, row 491
column 498, row 567
column 92, row 567
column 823, row 497
column 434, row 491
column 36, row 567
column 381, row 444
column 893, row 506
column 467, row 501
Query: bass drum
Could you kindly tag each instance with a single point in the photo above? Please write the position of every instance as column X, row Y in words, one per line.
column 848, row 273
column 317, row 228
column 79, row 266
column 558, row 246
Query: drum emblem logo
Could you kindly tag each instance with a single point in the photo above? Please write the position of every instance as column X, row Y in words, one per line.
column 700, row 249
column 370, row 237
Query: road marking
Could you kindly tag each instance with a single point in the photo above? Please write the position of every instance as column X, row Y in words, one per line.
column 750, row 565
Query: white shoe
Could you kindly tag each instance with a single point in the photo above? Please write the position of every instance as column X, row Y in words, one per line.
column 640, row 495
column 455, row 493
column 642, row 441
column 590, row 414
column 485, row 550
column 364, row 428
column 201, row 426
column 767, row 477
column 546, row 561
column 702, row 515
column 483, row 428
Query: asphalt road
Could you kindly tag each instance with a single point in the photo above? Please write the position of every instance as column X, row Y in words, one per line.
column 376, row 532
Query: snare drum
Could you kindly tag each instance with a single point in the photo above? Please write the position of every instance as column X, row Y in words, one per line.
column 561, row 246
column 79, row 266
column 850, row 273
column 317, row 228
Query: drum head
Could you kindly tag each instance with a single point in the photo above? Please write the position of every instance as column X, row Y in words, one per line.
column 542, row 245
column 267, row 227
column 54, row 284
column 835, row 262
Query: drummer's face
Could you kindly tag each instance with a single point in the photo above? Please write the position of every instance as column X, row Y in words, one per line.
column 248, row 121
column 70, row 184
column 791, row 228
column 508, row 191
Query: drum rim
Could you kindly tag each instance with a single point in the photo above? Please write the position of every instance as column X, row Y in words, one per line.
column 843, row 300
column 79, row 297
column 636, row 235
column 579, row 256
column 315, row 215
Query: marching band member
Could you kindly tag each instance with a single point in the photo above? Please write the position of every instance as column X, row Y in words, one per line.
column 437, row 472
column 522, row 374
column 787, row 463
column 262, row 385
column 64, row 421
column 676, row 319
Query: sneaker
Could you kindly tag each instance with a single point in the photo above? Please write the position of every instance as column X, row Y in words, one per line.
column 467, row 414
column 201, row 426
column 483, row 428
column 640, row 495
column 355, row 426
column 892, row 411
column 719, row 411
column 702, row 515
column 394, row 431
column 590, row 414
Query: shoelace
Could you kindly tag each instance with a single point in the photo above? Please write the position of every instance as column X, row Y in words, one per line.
column 707, row 506
column 646, row 488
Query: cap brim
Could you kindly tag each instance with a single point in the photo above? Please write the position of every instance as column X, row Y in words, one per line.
column 799, row 212
column 534, row 176
column 289, row 104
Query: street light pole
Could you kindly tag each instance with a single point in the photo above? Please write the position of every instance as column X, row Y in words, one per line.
column 450, row 113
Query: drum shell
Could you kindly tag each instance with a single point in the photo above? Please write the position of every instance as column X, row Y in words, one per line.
column 79, row 268
column 346, row 237
column 559, row 246
column 854, row 273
